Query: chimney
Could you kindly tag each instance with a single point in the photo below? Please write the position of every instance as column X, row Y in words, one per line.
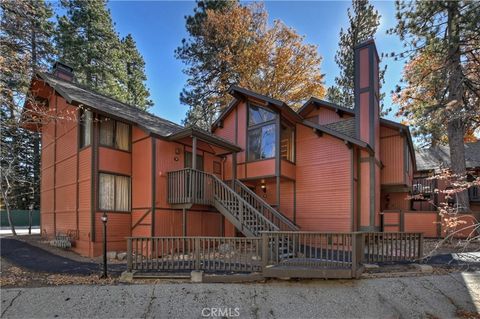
column 366, row 92
column 63, row 71
column 367, row 126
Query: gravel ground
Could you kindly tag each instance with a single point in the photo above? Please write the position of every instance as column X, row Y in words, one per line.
column 446, row 296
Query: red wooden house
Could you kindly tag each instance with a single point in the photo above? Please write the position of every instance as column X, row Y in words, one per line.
column 262, row 167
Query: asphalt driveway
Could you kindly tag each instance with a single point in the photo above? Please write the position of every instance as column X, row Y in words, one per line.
column 448, row 296
column 39, row 260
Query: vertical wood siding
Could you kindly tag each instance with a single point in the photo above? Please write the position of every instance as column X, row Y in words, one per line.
column 323, row 182
column 392, row 156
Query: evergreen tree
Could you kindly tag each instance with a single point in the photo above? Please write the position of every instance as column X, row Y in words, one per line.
column 363, row 23
column 447, row 31
column 137, row 93
column 87, row 41
column 26, row 37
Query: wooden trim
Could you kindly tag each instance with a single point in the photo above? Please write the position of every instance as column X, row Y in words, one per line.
column 352, row 191
column 93, row 178
column 55, row 167
column 278, row 160
column 141, row 219
column 77, row 200
column 154, row 185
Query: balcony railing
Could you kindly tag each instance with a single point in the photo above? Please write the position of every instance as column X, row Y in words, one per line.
column 189, row 186
column 423, row 186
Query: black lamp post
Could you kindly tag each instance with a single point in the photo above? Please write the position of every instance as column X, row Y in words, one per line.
column 104, row 219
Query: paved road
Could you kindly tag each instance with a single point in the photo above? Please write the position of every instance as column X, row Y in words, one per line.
column 36, row 259
column 413, row 297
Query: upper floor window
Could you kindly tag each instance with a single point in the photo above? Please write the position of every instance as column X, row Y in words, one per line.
column 261, row 133
column 114, row 134
column 287, row 143
column 86, row 119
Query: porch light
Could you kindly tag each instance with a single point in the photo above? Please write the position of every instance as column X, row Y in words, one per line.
column 263, row 186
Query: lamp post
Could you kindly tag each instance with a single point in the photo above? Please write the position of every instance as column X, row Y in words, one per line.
column 104, row 219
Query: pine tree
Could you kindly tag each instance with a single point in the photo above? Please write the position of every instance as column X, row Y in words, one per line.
column 233, row 44
column 137, row 93
column 363, row 23
column 87, row 41
column 448, row 30
column 26, row 37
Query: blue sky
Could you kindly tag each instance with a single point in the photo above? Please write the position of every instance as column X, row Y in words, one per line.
column 159, row 26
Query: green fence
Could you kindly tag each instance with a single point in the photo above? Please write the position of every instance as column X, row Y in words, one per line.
column 20, row 218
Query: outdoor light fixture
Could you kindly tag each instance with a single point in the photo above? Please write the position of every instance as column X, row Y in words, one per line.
column 263, row 186
column 104, row 220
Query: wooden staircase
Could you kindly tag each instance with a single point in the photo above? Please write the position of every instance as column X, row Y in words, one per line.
column 248, row 212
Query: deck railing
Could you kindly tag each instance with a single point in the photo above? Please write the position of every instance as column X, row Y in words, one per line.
column 211, row 254
column 275, row 254
column 277, row 218
column 392, row 246
column 189, row 186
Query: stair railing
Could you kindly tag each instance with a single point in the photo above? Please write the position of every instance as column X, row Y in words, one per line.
column 248, row 216
column 277, row 218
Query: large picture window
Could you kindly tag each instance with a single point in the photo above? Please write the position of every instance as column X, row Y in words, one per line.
column 114, row 134
column 114, row 193
column 261, row 133
column 85, row 128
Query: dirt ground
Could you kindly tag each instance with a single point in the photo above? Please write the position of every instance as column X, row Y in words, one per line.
column 437, row 246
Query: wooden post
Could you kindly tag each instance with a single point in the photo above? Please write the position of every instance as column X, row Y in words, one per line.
column 420, row 246
column 357, row 252
column 184, row 222
column 234, row 167
column 129, row 254
column 264, row 251
column 196, row 253
column 194, row 152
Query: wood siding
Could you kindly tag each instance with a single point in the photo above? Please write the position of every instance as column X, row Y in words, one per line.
column 323, row 182
column 392, row 156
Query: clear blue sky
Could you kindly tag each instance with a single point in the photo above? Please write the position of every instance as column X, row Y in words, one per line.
column 159, row 26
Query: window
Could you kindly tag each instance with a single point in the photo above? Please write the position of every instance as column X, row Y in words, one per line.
column 114, row 193
column 287, row 143
column 261, row 133
column 85, row 128
column 114, row 134
column 407, row 159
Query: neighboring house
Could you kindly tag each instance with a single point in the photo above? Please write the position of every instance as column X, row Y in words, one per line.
column 264, row 166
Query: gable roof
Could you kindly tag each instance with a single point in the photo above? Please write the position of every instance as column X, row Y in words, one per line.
column 340, row 135
column 78, row 94
column 75, row 93
column 439, row 156
column 313, row 101
column 241, row 93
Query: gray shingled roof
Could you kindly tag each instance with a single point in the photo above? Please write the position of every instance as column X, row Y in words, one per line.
column 439, row 156
column 74, row 92
column 346, row 127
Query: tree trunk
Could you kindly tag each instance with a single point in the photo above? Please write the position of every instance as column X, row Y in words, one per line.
column 9, row 216
column 455, row 121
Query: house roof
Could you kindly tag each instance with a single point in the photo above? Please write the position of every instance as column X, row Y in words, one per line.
column 335, row 133
column 313, row 101
column 75, row 93
column 439, row 156
column 346, row 127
